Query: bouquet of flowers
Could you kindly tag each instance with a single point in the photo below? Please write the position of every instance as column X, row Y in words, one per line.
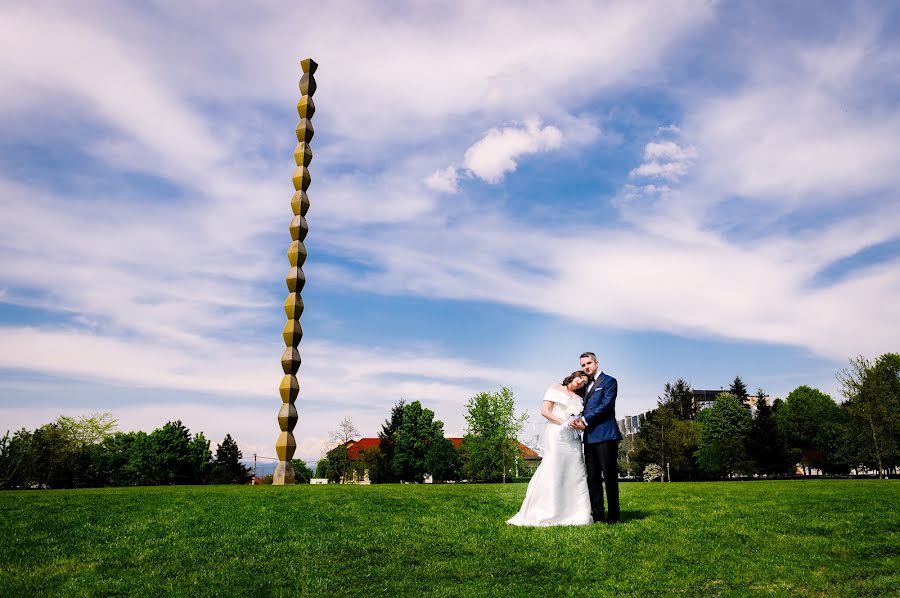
column 573, row 413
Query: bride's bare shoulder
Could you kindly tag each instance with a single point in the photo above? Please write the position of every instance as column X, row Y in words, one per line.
column 553, row 391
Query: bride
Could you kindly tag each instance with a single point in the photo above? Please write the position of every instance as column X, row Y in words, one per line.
column 558, row 493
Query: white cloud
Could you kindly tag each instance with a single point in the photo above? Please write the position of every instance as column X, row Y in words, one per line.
column 668, row 150
column 444, row 180
column 665, row 160
column 496, row 153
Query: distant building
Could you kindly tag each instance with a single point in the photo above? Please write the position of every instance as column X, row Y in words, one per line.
column 753, row 401
column 703, row 399
column 355, row 448
column 631, row 424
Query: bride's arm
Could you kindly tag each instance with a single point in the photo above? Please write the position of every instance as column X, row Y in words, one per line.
column 546, row 411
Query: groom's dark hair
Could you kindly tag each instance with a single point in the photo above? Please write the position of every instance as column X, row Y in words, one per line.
column 588, row 354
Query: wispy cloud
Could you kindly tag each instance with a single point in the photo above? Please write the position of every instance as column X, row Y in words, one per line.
column 667, row 280
column 803, row 129
column 445, row 180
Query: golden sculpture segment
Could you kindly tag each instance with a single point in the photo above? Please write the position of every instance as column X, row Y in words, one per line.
column 293, row 305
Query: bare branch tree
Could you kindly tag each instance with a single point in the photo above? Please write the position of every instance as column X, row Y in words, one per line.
column 345, row 432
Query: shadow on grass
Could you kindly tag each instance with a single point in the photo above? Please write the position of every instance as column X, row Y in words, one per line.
column 628, row 516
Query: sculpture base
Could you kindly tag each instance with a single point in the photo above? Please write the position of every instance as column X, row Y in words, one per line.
column 284, row 474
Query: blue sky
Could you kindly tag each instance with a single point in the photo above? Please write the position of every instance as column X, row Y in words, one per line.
column 689, row 189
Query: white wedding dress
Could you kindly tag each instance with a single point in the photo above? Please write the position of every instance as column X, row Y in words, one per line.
column 558, row 492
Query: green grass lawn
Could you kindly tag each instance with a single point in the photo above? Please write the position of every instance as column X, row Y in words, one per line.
column 788, row 538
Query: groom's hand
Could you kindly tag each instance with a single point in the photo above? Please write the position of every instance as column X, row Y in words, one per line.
column 578, row 424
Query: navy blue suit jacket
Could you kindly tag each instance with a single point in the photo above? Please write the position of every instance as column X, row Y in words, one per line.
column 600, row 412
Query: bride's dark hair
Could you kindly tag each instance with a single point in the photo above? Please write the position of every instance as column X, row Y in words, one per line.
column 572, row 376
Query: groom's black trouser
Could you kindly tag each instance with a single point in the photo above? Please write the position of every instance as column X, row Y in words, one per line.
column 601, row 463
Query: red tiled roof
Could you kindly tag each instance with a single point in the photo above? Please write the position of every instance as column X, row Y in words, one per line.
column 528, row 453
column 363, row 444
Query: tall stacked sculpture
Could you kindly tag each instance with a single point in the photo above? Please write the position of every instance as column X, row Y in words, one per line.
column 293, row 305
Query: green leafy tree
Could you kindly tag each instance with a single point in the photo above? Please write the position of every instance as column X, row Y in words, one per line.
column 14, row 459
column 627, row 457
column 88, row 429
column 356, row 470
column 338, row 460
column 813, row 426
column 761, row 396
column 227, row 467
column 723, row 435
column 172, row 455
column 680, row 399
column 666, row 439
column 335, row 465
column 739, row 389
column 381, row 468
column 115, row 462
column 443, row 461
column 417, row 432
column 86, row 434
column 53, row 459
column 873, row 408
column 201, row 458
column 142, row 468
column 490, row 446
column 64, row 453
column 766, row 445
column 669, row 435
column 302, row 473
column 374, row 463
column 79, row 452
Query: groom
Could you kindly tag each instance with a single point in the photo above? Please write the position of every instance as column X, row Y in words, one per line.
column 601, row 439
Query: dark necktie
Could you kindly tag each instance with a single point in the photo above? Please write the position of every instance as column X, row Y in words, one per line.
column 591, row 388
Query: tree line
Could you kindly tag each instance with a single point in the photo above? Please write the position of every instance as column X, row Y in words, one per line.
column 808, row 429
column 412, row 445
column 88, row 452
